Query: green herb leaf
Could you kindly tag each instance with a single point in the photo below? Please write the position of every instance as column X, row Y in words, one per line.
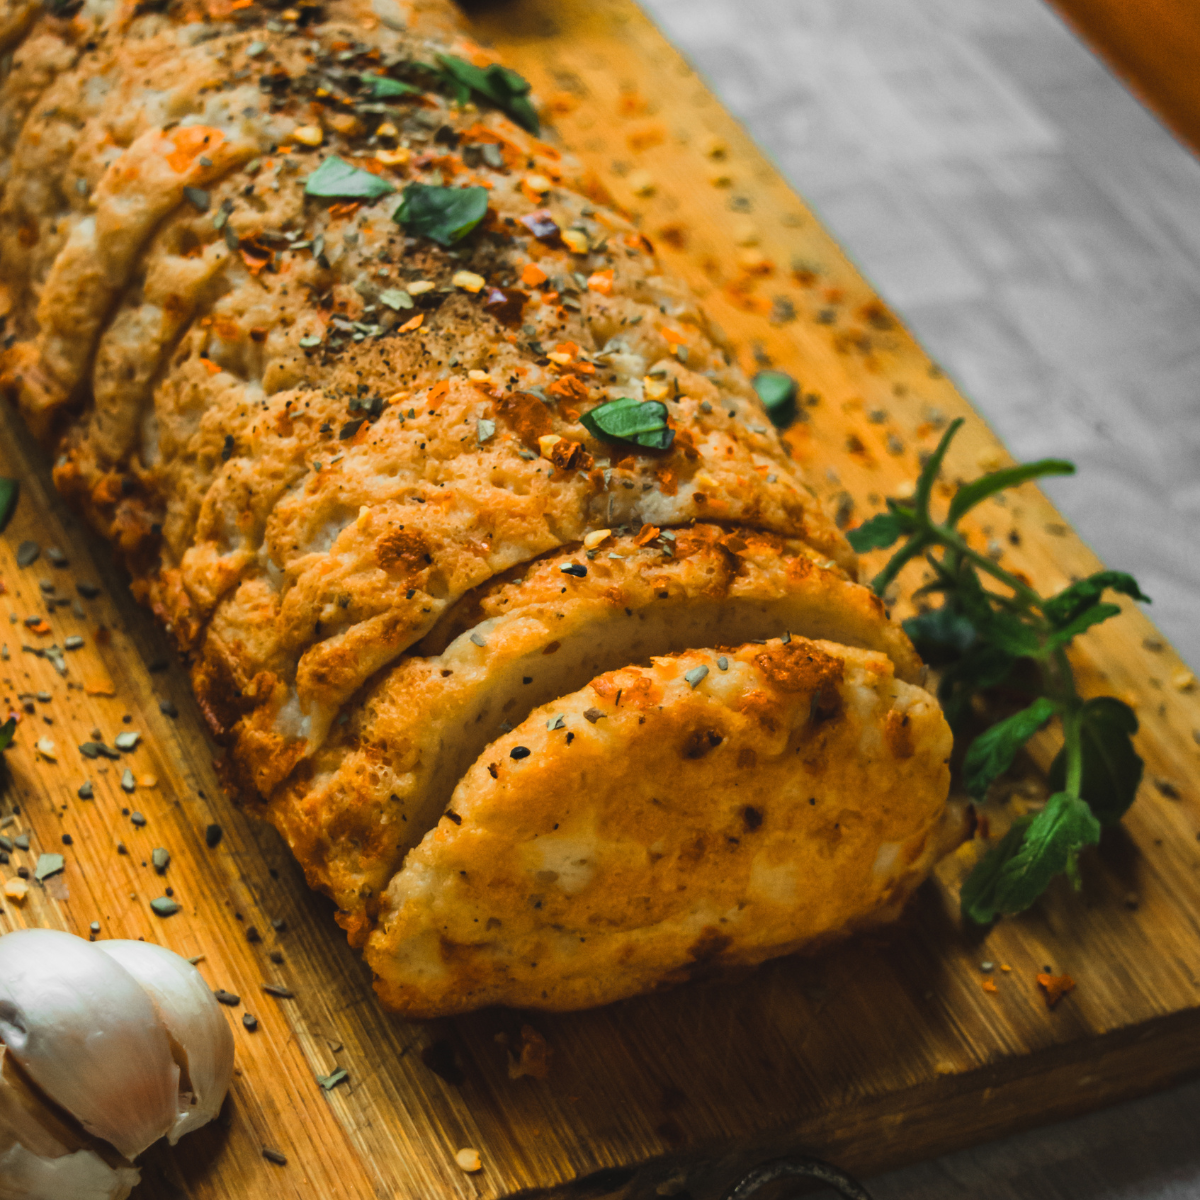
column 878, row 533
column 643, row 423
column 444, row 215
column 777, row 390
column 970, row 494
column 992, row 752
column 507, row 90
column 977, row 900
column 941, row 635
column 982, row 667
column 10, row 492
column 7, row 731
column 383, row 87
column 1063, row 608
column 1051, row 846
column 933, row 466
column 1085, row 620
column 336, row 179
column 1112, row 768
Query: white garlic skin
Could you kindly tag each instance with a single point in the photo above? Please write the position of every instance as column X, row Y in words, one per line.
column 88, row 1036
column 201, row 1041
column 43, row 1158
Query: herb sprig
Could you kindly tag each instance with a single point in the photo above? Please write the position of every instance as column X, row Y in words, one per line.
column 980, row 637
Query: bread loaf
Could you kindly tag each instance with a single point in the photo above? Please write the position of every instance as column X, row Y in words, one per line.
column 452, row 502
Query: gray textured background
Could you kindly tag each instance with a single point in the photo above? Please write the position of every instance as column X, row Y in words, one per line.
column 1034, row 225
column 1039, row 231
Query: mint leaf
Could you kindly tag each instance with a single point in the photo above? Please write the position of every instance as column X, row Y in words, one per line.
column 777, row 390
column 992, row 752
column 336, row 179
column 982, row 667
column 507, row 90
column 7, row 731
column 933, row 465
column 878, row 533
column 1063, row 608
column 383, row 87
column 442, row 214
column 628, row 420
column 941, row 635
column 970, row 494
column 1085, row 620
column 10, row 493
column 1112, row 768
column 977, row 900
column 1052, row 844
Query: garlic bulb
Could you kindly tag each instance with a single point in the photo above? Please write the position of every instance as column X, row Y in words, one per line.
column 43, row 1158
column 201, row 1041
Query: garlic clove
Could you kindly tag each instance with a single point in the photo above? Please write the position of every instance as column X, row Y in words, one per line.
column 87, row 1035
column 201, row 1040
column 42, row 1157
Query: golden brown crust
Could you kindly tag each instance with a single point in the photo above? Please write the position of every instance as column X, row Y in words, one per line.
column 330, row 453
column 655, row 825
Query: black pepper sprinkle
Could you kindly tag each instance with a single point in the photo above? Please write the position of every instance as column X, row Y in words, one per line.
column 89, row 591
column 250, row 1022
column 519, row 752
column 279, row 992
column 273, row 1156
column 227, row 998
column 252, row 934
column 212, row 836
column 279, row 925
column 27, row 554
column 137, row 819
column 167, row 708
column 68, row 840
column 576, row 569
column 227, row 448
column 276, row 957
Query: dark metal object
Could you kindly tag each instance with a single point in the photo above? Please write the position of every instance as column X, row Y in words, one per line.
column 796, row 1167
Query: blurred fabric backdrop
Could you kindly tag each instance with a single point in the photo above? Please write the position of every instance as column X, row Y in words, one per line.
column 1039, row 231
column 1035, row 226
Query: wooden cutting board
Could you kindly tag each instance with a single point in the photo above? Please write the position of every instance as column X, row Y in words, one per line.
column 884, row 1050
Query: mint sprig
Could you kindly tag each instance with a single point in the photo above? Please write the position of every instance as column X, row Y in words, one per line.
column 978, row 638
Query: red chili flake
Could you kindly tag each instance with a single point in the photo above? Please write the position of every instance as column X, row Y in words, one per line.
column 506, row 305
column 646, row 535
column 1055, row 987
column 543, row 227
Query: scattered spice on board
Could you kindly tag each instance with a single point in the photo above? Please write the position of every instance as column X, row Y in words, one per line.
column 469, row 1160
column 213, row 835
column 250, row 1022
column 1055, row 987
column 273, row 1156
column 227, row 998
column 163, row 906
column 278, row 991
column 329, row 1082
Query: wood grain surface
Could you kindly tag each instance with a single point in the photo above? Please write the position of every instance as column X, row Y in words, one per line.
column 882, row 1051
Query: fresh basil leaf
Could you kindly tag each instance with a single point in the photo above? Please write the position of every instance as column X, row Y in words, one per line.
column 977, row 900
column 7, row 731
column 970, row 494
column 1112, row 768
column 336, row 179
column 383, row 87
column 941, row 635
column 933, row 465
column 878, row 533
column 777, row 390
column 507, row 90
column 1085, row 620
column 442, row 214
column 1063, row 608
column 992, row 752
column 10, row 493
column 1051, row 847
column 628, row 420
